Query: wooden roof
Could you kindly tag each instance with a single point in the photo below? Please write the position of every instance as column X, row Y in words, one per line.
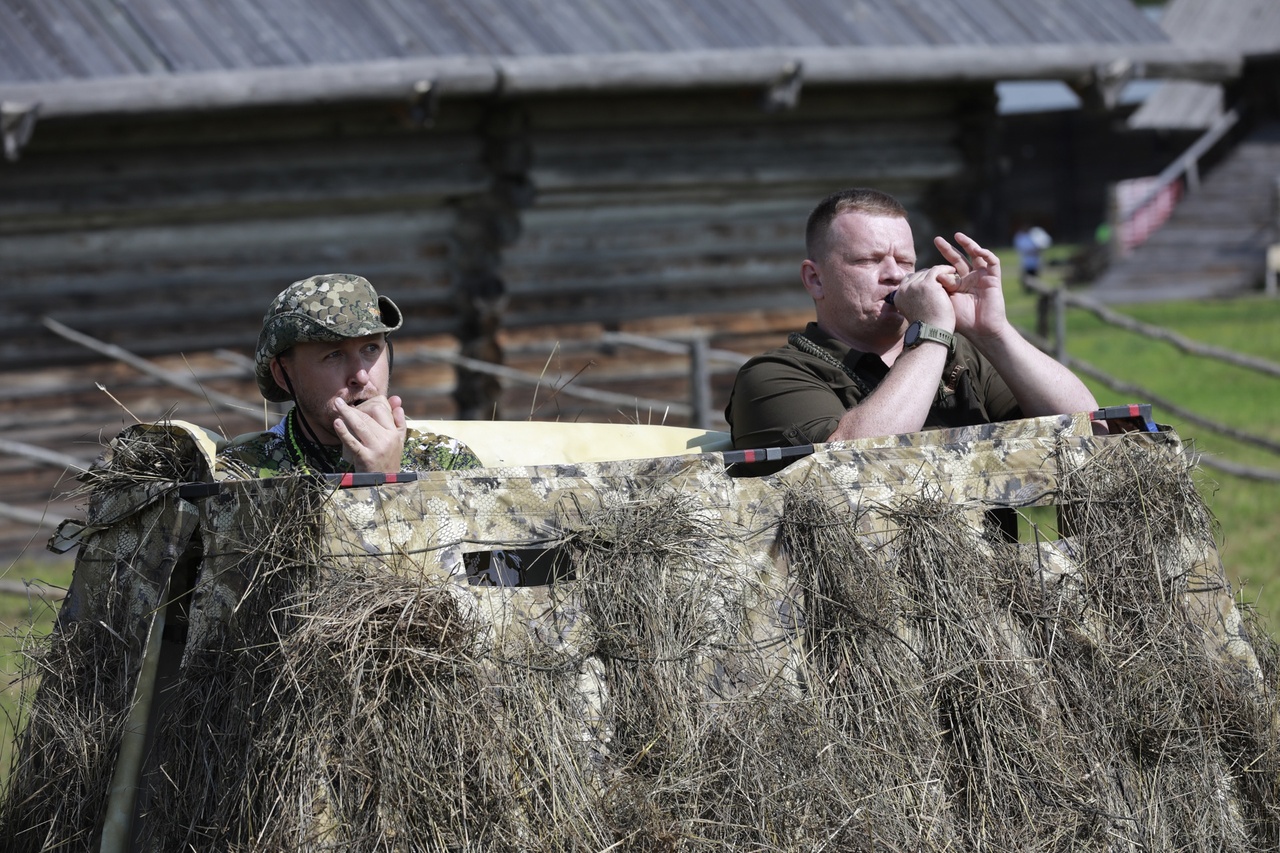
column 1251, row 27
column 78, row 56
column 60, row 39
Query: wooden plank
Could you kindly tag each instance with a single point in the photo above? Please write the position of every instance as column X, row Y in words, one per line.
column 607, row 310
column 686, row 241
column 904, row 64
column 27, row 52
column 278, row 43
column 287, row 238
column 658, row 285
column 320, row 162
column 201, row 194
column 151, row 293
column 271, row 87
column 247, row 126
column 116, row 284
column 76, row 43
column 111, row 30
column 818, row 107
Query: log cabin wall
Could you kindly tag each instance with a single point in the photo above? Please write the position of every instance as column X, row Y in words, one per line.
column 696, row 205
column 171, row 235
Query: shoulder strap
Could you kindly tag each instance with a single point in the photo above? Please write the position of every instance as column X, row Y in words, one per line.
column 802, row 342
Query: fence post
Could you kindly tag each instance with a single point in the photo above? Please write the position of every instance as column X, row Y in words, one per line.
column 700, row 379
column 1044, row 304
column 1193, row 177
column 1273, row 269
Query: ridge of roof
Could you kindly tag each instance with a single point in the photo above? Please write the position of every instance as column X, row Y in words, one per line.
column 407, row 79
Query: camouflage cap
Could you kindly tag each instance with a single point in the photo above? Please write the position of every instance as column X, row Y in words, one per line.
column 329, row 307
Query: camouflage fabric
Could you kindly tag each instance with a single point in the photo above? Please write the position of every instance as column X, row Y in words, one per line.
column 268, row 454
column 327, row 307
column 848, row 633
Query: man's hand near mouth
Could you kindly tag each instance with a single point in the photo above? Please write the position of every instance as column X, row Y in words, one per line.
column 372, row 432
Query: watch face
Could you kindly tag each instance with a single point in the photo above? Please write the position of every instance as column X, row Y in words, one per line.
column 912, row 336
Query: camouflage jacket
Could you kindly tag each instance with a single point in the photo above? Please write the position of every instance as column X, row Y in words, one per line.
column 259, row 455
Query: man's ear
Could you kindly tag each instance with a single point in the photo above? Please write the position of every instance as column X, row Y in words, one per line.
column 277, row 373
column 812, row 279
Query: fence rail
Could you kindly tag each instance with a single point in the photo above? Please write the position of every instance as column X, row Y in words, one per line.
column 1052, row 309
column 1051, row 296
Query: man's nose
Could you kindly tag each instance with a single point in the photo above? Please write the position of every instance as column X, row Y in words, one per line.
column 892, row 272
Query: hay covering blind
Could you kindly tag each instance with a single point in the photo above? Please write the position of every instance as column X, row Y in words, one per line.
column 843, row 655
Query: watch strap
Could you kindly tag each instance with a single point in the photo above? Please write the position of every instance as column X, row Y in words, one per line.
column 925, row 332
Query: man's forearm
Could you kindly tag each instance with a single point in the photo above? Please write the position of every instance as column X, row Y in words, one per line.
column 902, row 401
column 1040, row 384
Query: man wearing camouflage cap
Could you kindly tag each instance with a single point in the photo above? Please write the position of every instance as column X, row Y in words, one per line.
column 324, row 346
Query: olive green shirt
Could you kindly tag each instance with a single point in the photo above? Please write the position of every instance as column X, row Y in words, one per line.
column 789, row 397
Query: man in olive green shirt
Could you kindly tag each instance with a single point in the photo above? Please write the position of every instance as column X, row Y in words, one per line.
column 894, row 349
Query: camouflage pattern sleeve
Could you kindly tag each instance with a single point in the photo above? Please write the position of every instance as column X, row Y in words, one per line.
column 254, row 456
column 428, row 451
column 258, row 456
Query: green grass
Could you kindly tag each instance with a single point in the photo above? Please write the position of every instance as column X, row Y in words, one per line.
column 1247, row 511
column 23, row 618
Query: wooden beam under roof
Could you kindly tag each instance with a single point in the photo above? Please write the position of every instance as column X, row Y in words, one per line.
column 450, row 77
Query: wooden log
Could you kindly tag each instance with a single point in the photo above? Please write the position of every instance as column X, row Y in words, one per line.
column 298, row 85
column 567, row 390
column 1260, row 365
column 1145, row 395
column 468, row 76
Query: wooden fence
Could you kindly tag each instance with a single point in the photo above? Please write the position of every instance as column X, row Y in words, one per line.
column 1052, row 306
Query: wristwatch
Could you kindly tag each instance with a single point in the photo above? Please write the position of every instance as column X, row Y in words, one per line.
column 918, row 333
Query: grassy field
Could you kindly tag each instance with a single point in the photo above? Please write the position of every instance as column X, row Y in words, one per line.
column 1247, row 511
column 23, row 618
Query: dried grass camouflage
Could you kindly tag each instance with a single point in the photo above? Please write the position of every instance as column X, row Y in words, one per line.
column 842, row 655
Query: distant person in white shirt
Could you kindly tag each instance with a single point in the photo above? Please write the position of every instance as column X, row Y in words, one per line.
column 1030, row 242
